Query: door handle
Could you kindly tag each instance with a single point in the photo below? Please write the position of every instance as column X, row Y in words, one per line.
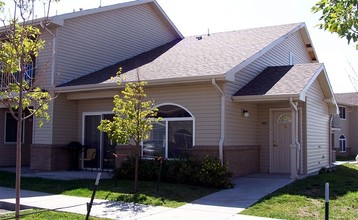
column 274, row 144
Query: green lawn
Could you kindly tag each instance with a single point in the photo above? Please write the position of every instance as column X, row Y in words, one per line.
column 40, row 214
column 304, row 199
column 170, row 195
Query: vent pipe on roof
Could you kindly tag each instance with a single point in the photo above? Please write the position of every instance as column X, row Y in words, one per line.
column 208, row 32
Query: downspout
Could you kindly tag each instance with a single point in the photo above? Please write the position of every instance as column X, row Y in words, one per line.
column 222, row 122
column 295, row 143
column 330, row 141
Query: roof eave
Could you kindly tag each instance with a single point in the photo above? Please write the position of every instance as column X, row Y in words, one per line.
column 157, row 82
column 266, row 98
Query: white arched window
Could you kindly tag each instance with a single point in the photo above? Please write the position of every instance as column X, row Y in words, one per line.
column 342, row 143
column 173, row 135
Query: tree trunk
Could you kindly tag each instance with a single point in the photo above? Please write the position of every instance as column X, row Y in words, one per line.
column 18, row 150
column 136, row 173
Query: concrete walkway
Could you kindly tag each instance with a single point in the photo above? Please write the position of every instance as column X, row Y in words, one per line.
column 224, row 204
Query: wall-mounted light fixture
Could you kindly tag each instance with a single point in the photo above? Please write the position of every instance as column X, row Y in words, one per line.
column 245, row 113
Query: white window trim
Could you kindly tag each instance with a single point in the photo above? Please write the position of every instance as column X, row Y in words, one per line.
column 345, row 143
column 84, row 114
column 23, row 130
column 166, row 120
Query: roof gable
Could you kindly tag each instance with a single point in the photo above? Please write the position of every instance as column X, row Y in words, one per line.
column 209, row 56
column 60, row 19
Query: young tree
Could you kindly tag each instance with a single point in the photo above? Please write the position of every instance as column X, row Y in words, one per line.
column 340, row 17
column 132, row 121
column 19, row 47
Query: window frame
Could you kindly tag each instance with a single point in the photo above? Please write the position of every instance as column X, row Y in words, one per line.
column 166, row 122
column 342, row 143
column 5, row 129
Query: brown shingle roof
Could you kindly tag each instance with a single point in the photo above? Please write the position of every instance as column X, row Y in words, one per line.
column 280, row 80
column 209, row 56
column 350, row 99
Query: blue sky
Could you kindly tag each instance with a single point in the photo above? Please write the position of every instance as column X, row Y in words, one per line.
column 195, row 17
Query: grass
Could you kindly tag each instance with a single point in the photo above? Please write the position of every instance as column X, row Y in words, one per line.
column 169, row 195
column 304, row 199
column 44, row 214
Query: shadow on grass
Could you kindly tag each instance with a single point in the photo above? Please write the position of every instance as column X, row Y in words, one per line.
column 171, row 195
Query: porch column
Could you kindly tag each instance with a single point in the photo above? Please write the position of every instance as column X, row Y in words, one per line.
column 294, row 139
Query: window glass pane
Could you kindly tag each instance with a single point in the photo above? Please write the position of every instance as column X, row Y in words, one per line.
column 92, row 140
column 172, row 111
column 342, row 112
column 11, row 128
column 109, row 148
column 284, row 118
column 155, row 145
column 180, row 137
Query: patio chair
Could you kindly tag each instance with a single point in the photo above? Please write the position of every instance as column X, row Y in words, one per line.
column 90, row 158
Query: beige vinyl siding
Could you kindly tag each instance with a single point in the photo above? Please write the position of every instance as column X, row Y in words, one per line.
column 345, row 126
column 44, row 61
column 43, row 135
column 65, row 120
column 279, row 55
column 89, row 43
column 203, row 101
column 353, row 128
column 317, row 129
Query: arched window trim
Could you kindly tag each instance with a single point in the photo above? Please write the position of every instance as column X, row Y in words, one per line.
column 342, row 143
column 180, row 106
column 166, row 120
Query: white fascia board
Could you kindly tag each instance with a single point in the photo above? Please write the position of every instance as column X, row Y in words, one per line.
column 230, row 75
column 99, row 9
column 162, row 12
column 266, row 98
column 311, row 81
column 329, row 90
column 307, row 37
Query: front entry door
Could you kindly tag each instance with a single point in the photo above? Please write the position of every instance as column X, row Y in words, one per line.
column 281, row 140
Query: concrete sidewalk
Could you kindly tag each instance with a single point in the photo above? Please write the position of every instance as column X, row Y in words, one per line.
column 224, row 204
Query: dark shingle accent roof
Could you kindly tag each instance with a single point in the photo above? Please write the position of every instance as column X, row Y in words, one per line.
column 207, row 56
column 280, row 80
column 126, row 65
column 350, row 99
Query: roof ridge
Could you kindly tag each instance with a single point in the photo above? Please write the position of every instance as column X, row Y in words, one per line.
column 247, row 29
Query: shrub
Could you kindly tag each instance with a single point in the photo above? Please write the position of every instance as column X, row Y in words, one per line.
column 208, row 172
column 213, row 174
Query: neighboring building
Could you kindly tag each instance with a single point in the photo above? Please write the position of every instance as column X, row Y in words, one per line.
column 345, row 138
column 256, row 98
